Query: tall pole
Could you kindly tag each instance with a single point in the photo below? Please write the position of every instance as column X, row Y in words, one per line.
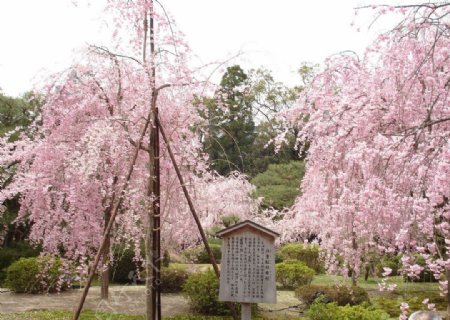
column 193, row 211
column 107, row 231
column 156, row 223
column 156, row 183
column 153, row 235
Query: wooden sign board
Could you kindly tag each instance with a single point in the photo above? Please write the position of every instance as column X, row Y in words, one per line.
column 248, row 264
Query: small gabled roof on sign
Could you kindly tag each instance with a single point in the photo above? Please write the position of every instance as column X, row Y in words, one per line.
column 247, row 223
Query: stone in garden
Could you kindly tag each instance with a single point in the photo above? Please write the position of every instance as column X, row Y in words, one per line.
column 425, row 315
column 248, row 264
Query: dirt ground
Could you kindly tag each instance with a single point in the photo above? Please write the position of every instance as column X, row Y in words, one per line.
column 123, row 299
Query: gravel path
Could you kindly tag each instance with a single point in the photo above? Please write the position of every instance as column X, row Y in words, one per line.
column 123, row 299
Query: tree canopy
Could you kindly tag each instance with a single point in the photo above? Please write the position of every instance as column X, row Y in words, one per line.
column 378, row 164
column 279, row 184
column 73, row 168
column 241, row 122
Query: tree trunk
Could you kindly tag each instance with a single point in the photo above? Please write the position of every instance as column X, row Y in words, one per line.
column 355, row 248
column 354, row 279
column 149, row 313
column 366, row 276
column 105, row 260
column 448, row 294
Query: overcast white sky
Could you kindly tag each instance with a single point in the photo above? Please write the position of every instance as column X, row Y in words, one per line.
column 39, row 36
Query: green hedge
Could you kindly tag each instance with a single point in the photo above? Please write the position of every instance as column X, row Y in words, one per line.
column 340, row 294
column 36, row 275
column 199, row 255
column 13, row 253
column 389, row 261
column 202, row 292
column 331, row 311
column 173, row 279
column 306, row 253
column 166, row 259
column 122, row 265
column 293, row 274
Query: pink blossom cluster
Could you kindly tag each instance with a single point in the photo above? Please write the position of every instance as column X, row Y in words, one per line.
column 378, row 170
column 73, row 168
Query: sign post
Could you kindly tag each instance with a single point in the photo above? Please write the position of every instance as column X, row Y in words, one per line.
column 246, row 311
column 247, row 265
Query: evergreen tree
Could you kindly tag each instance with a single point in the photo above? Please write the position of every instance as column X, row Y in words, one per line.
column 231, row 128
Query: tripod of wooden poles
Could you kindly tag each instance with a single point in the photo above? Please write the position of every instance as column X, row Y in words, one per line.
column 155, row 234
column 153, row 227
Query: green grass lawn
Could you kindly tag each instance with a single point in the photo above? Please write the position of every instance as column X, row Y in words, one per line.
column 372, row 283
column 192, row 266
column 411, row 292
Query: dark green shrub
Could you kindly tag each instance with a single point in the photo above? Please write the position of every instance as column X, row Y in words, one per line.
column 191, row 254
column 36, row 275
column 202, row 292
column 216, row 241
column 350, row 295
column 216, row 250
column 389, row 261
column 211, row 232
column 22, row 276
column 278, row 258
column 309, row 293
column 390, row 306
column 293, row 274
column 15, row 251
column 278, row 183
column 173, row 279
column 230, row 220
column 199, row 255
column 340, row 294
column 123, row 268
column 166, row 259
column 306, row 253
column 331, row 311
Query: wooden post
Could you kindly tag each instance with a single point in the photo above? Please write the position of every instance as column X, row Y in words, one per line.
column 153, row 235
column 105, row 259
column 246, row 311
column 110, row 224
column 192, row 209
